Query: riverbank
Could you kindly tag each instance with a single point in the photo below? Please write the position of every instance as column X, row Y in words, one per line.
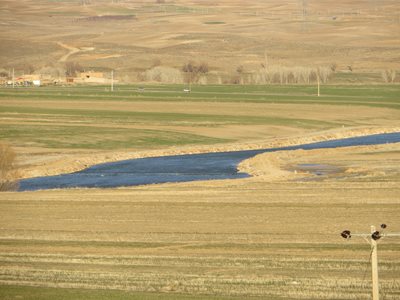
column 375, row 162
column 56, row 164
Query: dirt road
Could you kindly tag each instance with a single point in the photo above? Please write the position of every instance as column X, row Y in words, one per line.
column 72, row 51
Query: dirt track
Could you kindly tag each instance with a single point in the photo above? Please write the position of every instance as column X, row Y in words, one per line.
column 72, row 51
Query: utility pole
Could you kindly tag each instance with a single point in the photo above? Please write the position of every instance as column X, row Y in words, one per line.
column 318, row 83
column 13, row 81
column 372, row 238
column 266, row 59
column 374, row 265
column 304, row 13
column 112, row 80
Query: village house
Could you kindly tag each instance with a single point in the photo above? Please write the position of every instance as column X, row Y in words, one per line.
column 26, row 80
column 89, row 77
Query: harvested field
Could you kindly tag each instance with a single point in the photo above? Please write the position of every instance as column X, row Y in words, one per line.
column 251, row 237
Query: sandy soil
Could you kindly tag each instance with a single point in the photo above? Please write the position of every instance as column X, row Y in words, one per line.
column 341, row 164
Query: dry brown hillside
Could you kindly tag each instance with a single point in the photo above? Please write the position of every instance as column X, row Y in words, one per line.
column 134, row 36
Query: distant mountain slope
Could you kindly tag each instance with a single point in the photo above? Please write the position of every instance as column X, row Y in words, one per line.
column 133, row 36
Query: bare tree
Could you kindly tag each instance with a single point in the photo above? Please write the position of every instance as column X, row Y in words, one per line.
column 238, row 78
column 203, row 68
column 163, row 74
column 277, row 74
column 28, row 68
column 4, row 74
column 240, row 69
column 324, row 73
column 193, row 72
column 392, row 75
column 8, row 173
column 385, row 76
column 389, row 75
column 72, row 68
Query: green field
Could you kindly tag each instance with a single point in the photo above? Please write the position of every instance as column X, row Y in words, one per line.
column 40, row 293
column 67, row 123
column 366, row 95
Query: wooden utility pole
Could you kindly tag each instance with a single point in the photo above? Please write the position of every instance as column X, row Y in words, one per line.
column 13, row 81
column 304, row 12
column 266, row 59
column 374, row 262
column 112, row 80
column 372, row 238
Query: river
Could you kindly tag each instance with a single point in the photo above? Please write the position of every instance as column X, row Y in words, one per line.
column 179, row 168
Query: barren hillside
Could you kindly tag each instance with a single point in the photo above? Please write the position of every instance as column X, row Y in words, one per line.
column 134, row 36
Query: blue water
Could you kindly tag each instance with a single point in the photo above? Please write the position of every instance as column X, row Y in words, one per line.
column 179, row 168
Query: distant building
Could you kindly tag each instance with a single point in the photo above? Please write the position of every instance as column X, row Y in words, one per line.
column 28, row 80
column 90, row 77
column 36, row 82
